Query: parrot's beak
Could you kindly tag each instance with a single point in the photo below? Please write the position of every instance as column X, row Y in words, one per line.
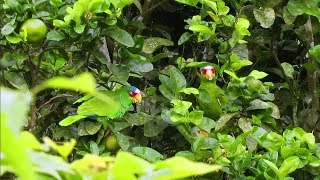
column 209, row 75
column 137, row 98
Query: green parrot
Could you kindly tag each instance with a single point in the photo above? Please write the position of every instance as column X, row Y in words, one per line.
column 110, row 104
column 211, row 96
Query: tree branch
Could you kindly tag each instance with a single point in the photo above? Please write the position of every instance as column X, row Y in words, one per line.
column 312, row 74
column 291, row 87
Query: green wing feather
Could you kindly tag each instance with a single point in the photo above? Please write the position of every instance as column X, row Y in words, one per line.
column 111, row 104
column 216, row 99
column 97, row 106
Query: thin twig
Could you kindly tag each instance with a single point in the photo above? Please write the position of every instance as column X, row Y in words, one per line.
column 53, row 98
column 152, row 8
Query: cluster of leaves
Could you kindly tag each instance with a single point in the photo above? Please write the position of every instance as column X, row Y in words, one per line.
column 24, row 155
column 266, row 55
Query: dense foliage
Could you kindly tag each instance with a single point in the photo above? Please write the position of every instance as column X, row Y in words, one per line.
column 257, row 117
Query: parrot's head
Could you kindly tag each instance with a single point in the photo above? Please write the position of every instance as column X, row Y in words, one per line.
column 208, row 72
column 135, row 93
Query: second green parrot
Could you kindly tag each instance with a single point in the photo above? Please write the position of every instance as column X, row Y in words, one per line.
column 110, row 104
column 211, row 96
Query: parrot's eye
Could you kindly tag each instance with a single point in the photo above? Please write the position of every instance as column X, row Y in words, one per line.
column 204, row 71
column 132, row 94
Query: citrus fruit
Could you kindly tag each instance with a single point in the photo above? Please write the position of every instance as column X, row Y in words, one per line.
column 112, row 143
column 33, row 30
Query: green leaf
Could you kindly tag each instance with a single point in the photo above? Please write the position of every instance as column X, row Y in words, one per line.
column 166, row 92
column 272, row 142
column 120, row 71
column 223, row 120
column 118, row 126
column 222, row 8
column 79, row 29
column 242, row 26
column 134, row 166
column 315, row 52
column 186, row 154
column 124, row 141
column 275, row 110
column 265, row 16
column 84, row 82
column 233, row 75
column 16, row 80
column 207, row 124
column 180, row 168
column 55, row 35
column 29, row 140
column 49, row 164
column 181, row 107
column 8, row 60
column 139, row 64
column 199, row 28
column 14, row 109
column 165, row 80
column 121, row 36
column 287, row 151
column 153, row 43
column 138, row 5
column 177, row 118
column 258, row 74
column 37, row 2
column 310, row 7
column 60, row 62
column 199, row 64
column 237, row 64
column 138, row 119
column 271, row 165
column 13, row 38
column 189, row 91
column 258, row 104
column 94, row 149
column 121, row 4
column 313, row 161
column 244, row 124
column 153, row 128
column 196, row 117
column 211, row 4
column 310, row 139
column 177, row 80
column 189, row 2
column 184, row 38
column 147, row 153
column 288, row 166
column 288, row 69
column 64, row 150
column 88, row 128
column 287, row 16
column 8, row 28
column 90, row 164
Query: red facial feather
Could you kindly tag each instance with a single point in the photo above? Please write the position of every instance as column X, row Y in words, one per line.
column 132, row 94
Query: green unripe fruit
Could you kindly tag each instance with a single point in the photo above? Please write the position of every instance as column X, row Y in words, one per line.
column 112, row 143
column 33, row 30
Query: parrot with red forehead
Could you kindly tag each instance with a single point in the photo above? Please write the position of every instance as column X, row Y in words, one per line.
column 111, row 104
column 211, row 96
